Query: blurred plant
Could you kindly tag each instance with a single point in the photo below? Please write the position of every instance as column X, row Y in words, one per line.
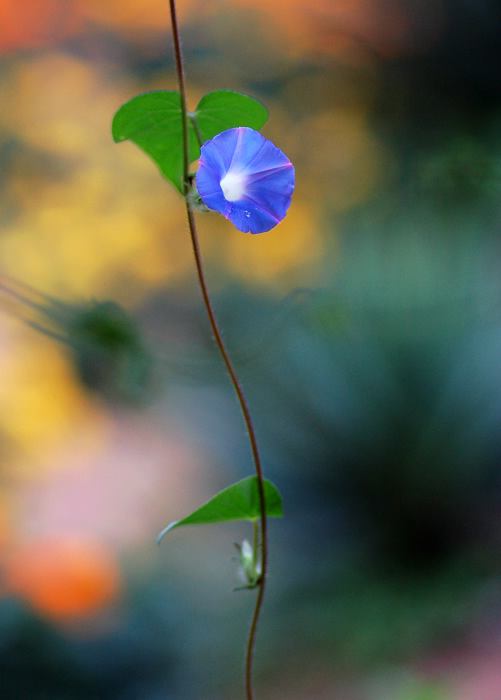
column 423, row 691
column 249, row 181
column 107, row 348
column 460, row 172
column 106, row 345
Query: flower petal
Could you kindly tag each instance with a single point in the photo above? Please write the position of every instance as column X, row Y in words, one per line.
column 251, row 218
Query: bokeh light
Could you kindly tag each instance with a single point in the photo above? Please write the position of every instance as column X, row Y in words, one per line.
column 63, row 578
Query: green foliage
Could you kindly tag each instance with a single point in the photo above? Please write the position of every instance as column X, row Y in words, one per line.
column 460, row 173
column 153, row 121
column 108, row 350
column 106, row 346
column 225, row 109
column 239, row 501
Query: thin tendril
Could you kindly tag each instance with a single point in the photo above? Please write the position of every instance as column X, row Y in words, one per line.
column 249, row 655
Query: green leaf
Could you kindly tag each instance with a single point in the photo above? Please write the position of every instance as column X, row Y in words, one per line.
column 239, row 501
column 153, row 122
column 225, row 109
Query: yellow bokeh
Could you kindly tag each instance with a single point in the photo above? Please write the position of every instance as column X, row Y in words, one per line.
column 344, row 157
column 40, row 403
column 78, row 253
column 56, row 103
column 287, row 255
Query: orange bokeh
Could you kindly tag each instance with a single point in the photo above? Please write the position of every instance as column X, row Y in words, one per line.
column 34, row 23
column 351, row 29
column 131, row 16
column 4, row 524
column 63, row 578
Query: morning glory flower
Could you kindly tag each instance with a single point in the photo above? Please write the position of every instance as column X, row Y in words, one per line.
column 245, row 178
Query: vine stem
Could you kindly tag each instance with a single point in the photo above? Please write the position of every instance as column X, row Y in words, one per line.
column 249, row 654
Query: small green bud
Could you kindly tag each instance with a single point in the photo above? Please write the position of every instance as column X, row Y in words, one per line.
column 250, row 565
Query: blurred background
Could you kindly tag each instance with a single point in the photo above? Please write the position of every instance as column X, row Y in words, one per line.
column 366, row 327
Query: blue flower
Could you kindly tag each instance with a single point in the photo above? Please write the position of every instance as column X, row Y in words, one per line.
column 245, row 178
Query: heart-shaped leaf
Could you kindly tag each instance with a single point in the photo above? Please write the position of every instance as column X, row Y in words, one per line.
column 226, row 109
column 239, row 501
column 153, row 121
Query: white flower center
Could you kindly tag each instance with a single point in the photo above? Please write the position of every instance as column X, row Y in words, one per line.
column 233, row 186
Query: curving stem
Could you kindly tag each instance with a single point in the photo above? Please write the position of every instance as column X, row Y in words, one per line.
column 249, row 655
